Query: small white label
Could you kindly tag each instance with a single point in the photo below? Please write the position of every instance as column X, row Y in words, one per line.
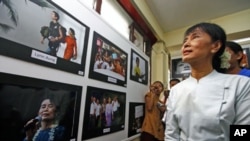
column 43, row 56
column 80, row 72
column 138, row 130
column 110, row 79
column 140, row 80
column 106, row 130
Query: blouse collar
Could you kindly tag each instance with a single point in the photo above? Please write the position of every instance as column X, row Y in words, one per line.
column 208, row 77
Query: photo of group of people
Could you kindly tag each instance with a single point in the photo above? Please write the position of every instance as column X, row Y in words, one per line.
column 34, row 109
column 60, row 38
column 139, row 68
column 104, row 112
column 108, row 62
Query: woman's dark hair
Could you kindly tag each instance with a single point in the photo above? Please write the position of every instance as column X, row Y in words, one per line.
column 160, row 83
column 72, row 31
column 175, row 79
column 235, row 47
column 217, row 34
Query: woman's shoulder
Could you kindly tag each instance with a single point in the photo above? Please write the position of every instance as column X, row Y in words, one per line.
column 235, row 76
column 60, row 133
column 60, row 128
column 245, row 72
column 234, row 80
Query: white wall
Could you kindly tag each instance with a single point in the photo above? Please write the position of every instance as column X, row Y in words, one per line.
column 134, row 91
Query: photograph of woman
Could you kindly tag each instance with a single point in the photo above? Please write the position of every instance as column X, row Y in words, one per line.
column 109, row 112
column 71, row 45
column 45, row 126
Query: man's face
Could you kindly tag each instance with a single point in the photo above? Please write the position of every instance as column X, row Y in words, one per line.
column 137, row 62
column 172, row 83
column 53, row 16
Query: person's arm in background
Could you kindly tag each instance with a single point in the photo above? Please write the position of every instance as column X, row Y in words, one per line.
column 149, row 98
column 166, row 94
column 172, row 131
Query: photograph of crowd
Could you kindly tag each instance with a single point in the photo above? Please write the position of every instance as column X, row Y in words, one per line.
column 104, row 112
column 50, row 36
column 139, row 68
column 108, row 62
column 34, row 109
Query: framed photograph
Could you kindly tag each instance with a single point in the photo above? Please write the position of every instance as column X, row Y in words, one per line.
column 27, row 104
column 138, row 68
column 136, row 117
column 45, row 34
column 180, row 69
column 104, row 112
column 136, row 37
column 108, row 62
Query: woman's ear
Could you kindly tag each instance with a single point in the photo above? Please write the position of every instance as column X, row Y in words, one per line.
column 239, row 55
column 244, row 62
column 216, row 46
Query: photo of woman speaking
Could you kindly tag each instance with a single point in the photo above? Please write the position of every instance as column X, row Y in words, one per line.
column 38, row 110
column 45, row 125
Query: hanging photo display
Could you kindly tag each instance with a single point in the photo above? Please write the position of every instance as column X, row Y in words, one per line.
column 28, row 104
column 136, row 117
column 108, row 62
column 104, row 112
column 138, row 68
column 180, row 69
column 45, row 34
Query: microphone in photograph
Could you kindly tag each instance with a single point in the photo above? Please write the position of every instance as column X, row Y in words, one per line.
column 32, row 124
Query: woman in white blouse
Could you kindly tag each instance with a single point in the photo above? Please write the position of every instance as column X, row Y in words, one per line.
column 202, row 107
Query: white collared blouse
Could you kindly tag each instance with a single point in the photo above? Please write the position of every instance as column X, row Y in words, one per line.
column 204, row 110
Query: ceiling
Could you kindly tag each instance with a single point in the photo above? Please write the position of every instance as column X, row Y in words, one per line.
column 175, row 14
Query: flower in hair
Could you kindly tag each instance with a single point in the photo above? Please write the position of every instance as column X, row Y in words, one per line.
column 225, row 57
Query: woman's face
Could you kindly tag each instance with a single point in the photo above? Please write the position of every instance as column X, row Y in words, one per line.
column 47, row 110
column 197, row 47
column 158, row 88
column 109, row 100
column 234, row 58
column 70, row 32
column 104, row 100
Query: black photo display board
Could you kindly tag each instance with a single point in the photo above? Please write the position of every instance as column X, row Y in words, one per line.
column 25, row 99
column 138, row 68
column 29, row 32
column 104, row 112
column 136, row 117
column 180, row 69
column 108, row 62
